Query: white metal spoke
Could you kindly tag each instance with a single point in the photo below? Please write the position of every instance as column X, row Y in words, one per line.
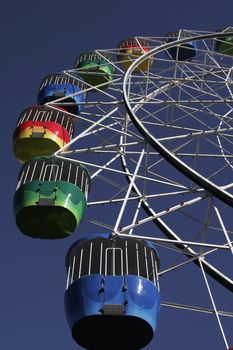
column 224, row 228
column 128, row 193
column 85, row 132
column 213, row 303
column 196, row 309
column 164, row 212
column 165, row 240
column 136, row 216
column 138, row 198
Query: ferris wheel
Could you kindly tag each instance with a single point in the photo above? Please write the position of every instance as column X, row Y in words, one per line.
column 136, row 143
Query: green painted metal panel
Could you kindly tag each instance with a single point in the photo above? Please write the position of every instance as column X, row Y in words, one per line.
column 48, row 209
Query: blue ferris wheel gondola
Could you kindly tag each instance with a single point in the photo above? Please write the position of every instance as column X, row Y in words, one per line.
column 61, row 86
column 112, row 299
column 184, row 52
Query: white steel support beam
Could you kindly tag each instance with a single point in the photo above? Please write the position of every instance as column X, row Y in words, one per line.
column 85, row 131
column 224, row 229
column 128, row 192
column 171, row 241
column 213, row 303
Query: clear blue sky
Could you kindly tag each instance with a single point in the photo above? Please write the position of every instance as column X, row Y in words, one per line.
column 37, row 38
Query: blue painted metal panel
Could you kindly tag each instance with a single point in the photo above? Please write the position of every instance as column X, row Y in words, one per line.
column 85, row 305
column 113, row 290
column 84, row 298
column 89, row 294
column 59, row 91
column 183, row 53
column 143, row 299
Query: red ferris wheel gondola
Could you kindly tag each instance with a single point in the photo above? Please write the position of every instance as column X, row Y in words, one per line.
column 131, row 49
column 41, row 131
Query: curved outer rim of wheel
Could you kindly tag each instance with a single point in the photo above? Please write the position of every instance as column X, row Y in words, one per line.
column 164, row 152
column 212, row 188
column 209, row 268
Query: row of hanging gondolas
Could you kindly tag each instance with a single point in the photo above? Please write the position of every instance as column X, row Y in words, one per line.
column 41, row 131
column 112, row 299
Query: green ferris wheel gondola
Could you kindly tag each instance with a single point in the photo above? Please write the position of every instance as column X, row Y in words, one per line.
column 95, row 68
column 50, row 198
column 224, row 45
